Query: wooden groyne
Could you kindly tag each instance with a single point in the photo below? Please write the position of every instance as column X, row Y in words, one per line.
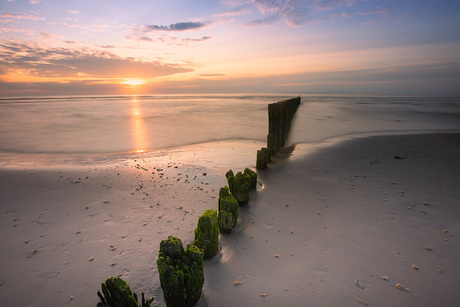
column 280, row 115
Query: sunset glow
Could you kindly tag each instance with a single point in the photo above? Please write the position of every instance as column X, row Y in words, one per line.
column 138, row 129
column 133, row 82
column 107, row 47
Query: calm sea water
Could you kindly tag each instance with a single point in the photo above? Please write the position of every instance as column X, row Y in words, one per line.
column 112, row 124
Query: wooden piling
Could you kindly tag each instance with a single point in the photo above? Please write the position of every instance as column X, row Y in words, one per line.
column 280, row 115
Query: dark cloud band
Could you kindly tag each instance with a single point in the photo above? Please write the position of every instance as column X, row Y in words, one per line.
column 180, row 26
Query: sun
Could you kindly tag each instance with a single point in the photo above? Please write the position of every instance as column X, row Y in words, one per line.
column 133, row 82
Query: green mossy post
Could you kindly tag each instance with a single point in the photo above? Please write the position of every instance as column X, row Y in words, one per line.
column 253, row 176
column 240, row 186
column 181, row 272
column 207, row 234
column 228, row 210
column 116, row 293
column 229, row 174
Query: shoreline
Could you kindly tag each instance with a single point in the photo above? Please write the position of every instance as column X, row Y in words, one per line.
column 71, row 215
column 69, row 160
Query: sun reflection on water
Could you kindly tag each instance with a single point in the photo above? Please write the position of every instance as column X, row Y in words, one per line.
column 139, row 132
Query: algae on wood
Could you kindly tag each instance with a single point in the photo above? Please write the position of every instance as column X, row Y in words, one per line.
column 207, row 234
column 116, row 293
column 253, row 176
column 240, row 186
column 181, row 272
column 228, row 210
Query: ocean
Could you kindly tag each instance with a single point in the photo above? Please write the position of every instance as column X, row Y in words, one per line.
column 120, row 124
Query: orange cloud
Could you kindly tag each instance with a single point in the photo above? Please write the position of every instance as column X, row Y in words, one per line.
column 23, row 58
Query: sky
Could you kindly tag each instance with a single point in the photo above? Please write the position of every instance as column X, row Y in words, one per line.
column 108, row 47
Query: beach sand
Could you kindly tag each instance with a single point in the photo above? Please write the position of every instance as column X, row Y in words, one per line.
column 328, row 221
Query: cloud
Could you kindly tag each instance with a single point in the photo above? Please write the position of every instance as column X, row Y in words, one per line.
column 292, row 12
column 105, row 46
column 264, row 21
column 5, row 17
column 88, row 27
column 234, row 12
column 75, row 12
column 332, row 4
column 7, row 29
column 142, row 32
column 180, row 26
column 53, row 62
column 204, row 38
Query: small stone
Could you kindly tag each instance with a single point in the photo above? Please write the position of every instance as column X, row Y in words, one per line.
column 34, row 251
column 385, row 277
column 276, row 256
column 415, row 267
column 237, row 283
column 399, row 286
column 91, row 259
column 71, row 297
column 113, row 263
column 427, row 248
column 445, row 230
column 263, row 294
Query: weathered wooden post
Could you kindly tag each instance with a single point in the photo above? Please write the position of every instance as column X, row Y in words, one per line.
column 280, row 115
column 263, row 158
column 228, row 210
column 181, row 272
column 207, row 234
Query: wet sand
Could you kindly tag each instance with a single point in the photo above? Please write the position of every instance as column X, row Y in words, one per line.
column 341, row 224
column 326, row 224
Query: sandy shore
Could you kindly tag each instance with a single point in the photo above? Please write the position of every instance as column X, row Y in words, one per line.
column 325, row 226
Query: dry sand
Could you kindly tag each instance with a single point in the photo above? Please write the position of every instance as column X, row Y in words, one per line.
column 324, row 227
